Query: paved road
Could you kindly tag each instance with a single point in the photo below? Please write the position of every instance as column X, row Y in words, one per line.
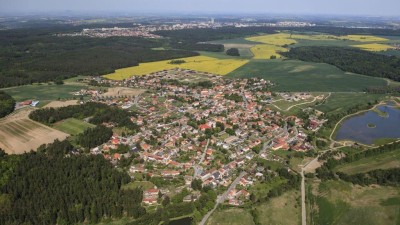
column 303, row 188
column 197, row 168
column 303, row 200
column 222, row 198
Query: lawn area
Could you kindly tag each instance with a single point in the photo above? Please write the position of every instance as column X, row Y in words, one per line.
column 231, row 216
column 383, row 161
column 72, row 126
column 283, row 210
column 342, row 203
column 43, row 92
column 199, row 63
column 294, row 75
column 138, row 184
column 261, row 190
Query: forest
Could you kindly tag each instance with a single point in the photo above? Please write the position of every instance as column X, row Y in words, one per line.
column 49, row 189
column 99, row 113
column 7, row 104
column 37, row 55
column 350, row 60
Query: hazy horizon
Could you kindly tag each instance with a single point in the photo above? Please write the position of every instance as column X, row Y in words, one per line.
column 296, row 7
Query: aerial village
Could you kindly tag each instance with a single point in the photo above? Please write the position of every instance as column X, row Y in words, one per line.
column 207, row 131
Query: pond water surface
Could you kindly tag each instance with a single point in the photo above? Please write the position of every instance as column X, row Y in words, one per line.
column 366, row 127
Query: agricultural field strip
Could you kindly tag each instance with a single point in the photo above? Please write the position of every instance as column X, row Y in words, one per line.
column 199, row 63
column 275, row 43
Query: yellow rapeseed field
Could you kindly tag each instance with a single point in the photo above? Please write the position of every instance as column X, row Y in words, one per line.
column 265, row 51
column 363, row 38
column 273, row 39
column 199, row 63
column 374, row 47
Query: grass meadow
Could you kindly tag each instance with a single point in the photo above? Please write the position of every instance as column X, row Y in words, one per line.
column 342, row 203
column 283, row 210
column 72, row 126
column 231, row 216
column 387, row 160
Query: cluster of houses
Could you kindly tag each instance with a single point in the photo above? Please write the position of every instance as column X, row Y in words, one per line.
column 202, row 131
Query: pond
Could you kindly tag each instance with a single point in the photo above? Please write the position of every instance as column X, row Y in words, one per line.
column 367, row 127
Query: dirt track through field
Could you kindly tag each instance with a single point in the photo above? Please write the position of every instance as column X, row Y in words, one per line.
column 19, row 134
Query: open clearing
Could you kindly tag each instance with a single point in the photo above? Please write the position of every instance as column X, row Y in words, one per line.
column 59, row 104
column 283, row 210
column 19, row 134
column 342, row 203
column 72, row 126
column 298, row 76
column 122, row 91
column 383, row 161
column 144, row 185
column 235, row 216
column 199, row 63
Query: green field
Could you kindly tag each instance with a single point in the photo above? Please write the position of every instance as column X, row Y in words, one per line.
column 72, row 126
column 338, row 102
column 383, row 161
column 234, row 216
column 342, row 203
column 43, row 92
column 283, row 210
column 293, row 75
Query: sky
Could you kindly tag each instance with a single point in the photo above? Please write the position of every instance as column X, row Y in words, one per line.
column 313, row 7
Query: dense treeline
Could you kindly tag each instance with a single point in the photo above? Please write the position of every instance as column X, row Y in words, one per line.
column 93, row 137
column 66, row 190
column 209, row 34
column 193, row 39
column 37, row 55
column 57, row 148
column 346, row 31
column 350, row 60
column 233, row 52
column 383, row 90
column 7, row 104
column 99, row 113
column 383, row 177
column 192, row 46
